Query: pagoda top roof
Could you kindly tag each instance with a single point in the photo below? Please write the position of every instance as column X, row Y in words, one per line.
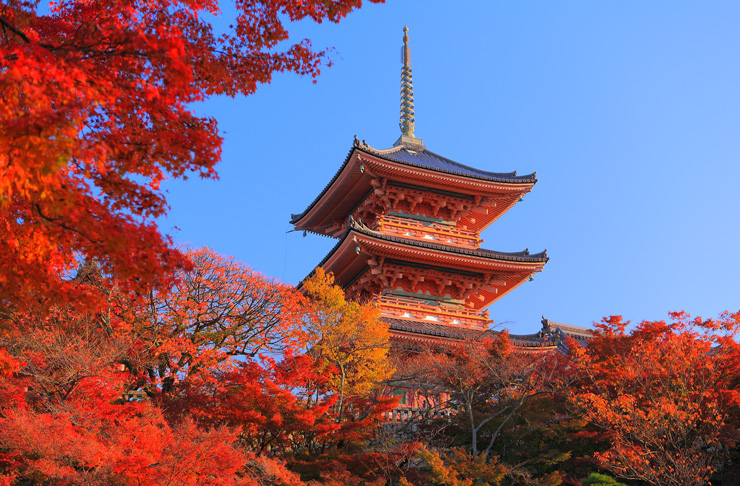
column 517, row 256
column 418, row 156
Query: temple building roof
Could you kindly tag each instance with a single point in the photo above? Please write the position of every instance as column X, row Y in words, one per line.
column 553, row 335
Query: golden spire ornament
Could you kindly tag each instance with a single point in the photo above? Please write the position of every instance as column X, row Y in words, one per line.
column 407, row 96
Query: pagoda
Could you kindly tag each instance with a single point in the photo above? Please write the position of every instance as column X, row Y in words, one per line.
column 408, row 224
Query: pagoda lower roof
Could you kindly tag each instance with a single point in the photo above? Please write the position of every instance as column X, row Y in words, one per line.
column 408, row 164
column 425, row 330
column 428, row 328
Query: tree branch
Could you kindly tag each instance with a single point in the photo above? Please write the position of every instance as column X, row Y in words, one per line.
column 7, row 25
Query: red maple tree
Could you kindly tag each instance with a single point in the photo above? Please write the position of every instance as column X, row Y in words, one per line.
column 96, row 113
column 173, row 386
column 665, row 393
column 216, row 311
column 68, row 415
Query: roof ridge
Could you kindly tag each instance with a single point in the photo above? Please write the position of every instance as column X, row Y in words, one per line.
column 509, row 174
column 365, row 145
column 481, row 174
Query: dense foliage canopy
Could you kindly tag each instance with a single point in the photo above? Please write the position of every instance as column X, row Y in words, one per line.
column 96, row 111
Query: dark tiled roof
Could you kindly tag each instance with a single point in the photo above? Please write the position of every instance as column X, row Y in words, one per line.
column 519, row 256
column 552, row 328
column 553, row 334
column 429, row 328
column 295, row 217
column 424, row 159
column 531, row 340
column 578, row 333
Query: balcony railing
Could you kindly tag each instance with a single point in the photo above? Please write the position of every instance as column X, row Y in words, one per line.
column 428, row 231
column 446, row 313
column 402, row 415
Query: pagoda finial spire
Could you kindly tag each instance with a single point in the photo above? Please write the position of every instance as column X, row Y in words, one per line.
column 407, row 96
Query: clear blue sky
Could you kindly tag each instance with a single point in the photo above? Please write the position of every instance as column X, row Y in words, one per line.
column 629, row 111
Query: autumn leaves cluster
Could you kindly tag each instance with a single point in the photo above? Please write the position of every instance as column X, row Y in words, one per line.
column 228, row 377
column 217, row 381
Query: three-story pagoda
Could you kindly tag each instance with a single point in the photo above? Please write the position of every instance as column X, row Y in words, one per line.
column 408, row 223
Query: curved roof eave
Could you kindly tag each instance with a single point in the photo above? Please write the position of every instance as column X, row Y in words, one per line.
column 462, row 170
column 423, row 158
column 520, row 256
column 429, row 328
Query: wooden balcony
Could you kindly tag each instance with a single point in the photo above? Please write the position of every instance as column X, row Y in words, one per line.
column 398, row 307
column 443, row 234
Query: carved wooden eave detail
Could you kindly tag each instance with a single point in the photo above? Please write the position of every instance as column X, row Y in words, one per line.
column 438, row 283
column 388, row 197
column 361, row 265
column 486, row 201
column 403, row 226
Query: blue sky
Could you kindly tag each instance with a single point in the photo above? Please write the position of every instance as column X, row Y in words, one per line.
column 629, row 111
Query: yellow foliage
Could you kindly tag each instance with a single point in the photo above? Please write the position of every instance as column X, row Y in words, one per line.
column 458, row 468
column 348, row 335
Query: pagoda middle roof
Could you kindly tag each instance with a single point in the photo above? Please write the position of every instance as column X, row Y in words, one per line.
column 349, row 259
column 518, row 256
column 422, row 158
column 435, row 330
